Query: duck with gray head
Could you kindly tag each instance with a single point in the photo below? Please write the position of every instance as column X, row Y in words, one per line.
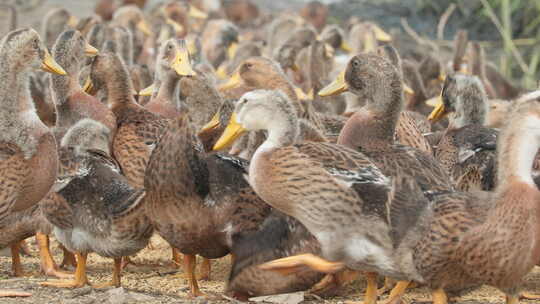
column 93, row 208
column 467, row 148
column 29, row 156
column 72, row 103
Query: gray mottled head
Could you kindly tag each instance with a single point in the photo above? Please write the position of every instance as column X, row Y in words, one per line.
column 96, row 34
column 124, row 41
column 128, row 16
column 87, row 134
column 69, row 51
column 269, row 110
column 22, row 49
column 464, row 96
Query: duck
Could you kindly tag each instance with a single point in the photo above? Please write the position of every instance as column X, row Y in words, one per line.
column 137, row 128
column 467, row 148
column 286, row 52
column 335, row 36
column 179, row 13
column 132, row 18
column 427, row 249
column 218, row 40
column 315, row 13
column 173, row 61
column 181, row 180
column 30, row 158
column 93, row 207
column 366, row 37
column 241, row 12
column 71, row 102
column 308, row 171
column 368, row 75
column 55, row 22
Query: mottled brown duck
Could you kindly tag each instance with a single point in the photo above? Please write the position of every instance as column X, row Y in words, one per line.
column 467, row 148
column 93, row 207
column 29, row 155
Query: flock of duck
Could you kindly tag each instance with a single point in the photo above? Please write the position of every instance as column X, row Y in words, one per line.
column 343, row 150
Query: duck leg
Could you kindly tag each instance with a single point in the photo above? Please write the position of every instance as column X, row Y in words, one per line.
column 48, row 266
column 388, row 283
column 206, row 267
column 293, row 264
column 16, row 265
column 399, row 290
column 69, row 258
column 439, row 296
column 190, row 261
column 80, row 275
column 371, row 290
column 176, row 258
column 115, row 282
column 529, row 296
column 332, row 282
column 14, row 293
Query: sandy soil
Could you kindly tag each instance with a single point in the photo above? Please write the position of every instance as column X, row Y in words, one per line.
column 156, row 281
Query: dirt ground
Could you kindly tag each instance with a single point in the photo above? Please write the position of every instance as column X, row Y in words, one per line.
column 154, row 281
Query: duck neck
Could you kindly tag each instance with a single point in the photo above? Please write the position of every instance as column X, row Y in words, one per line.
column 374, row 125
column 119, row 88
column 167, row 90
column 465, row 116
column 516, row 153
column 64, row 86
column 282, row 132
column 14, row 89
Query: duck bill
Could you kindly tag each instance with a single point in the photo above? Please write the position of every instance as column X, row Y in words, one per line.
column 147, row 91
column 300, row 94
column 196, row 13
column 221, row 72
column 345, row 46
column 88, row 86
column 438, row 113
column 407, row 89
column 434, row 102
column 144, row 27
column 232, row 132
column 381, row 35
column 73, row 21
column 441, row 77
column 178, row 28
column 211, row 125
column 181, row 63
column 49, row 65
column 232, row 82
column 231, row 50
column 338, row 86
column 90, row 51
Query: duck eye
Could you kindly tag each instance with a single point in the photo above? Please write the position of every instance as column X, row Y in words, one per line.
column 248, row 65
column 356, row 63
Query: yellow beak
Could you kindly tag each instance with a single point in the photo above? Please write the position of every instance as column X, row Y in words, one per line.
column 196, row 13
column 300, row 94
column 72, row 21
column 407, row 89
column 295, row 67
column 178, row 28
column 231, row 133
column 211, row 125
column 88, row 86
column 439, row 111
column 181, row 63
column 338, row 86
column 147, row 91
column 49, row 65
column 90, row 51
column 345, row 46
column 231, row 50
column 441, row 77
column 221, row 72
column 232, row 82
column 381, row 35
column 434, row 102
column 144, row 27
